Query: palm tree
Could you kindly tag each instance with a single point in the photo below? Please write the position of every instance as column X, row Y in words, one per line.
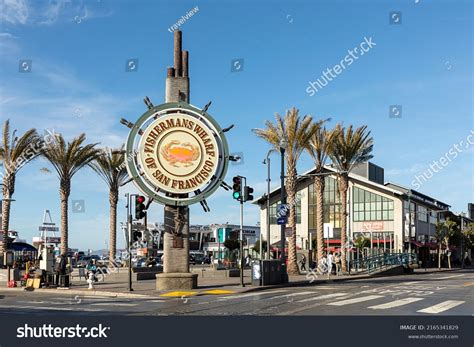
column 109, row 166
column 67, row 159
column 14, row 153
column 296, row 132
column 349, row 148
column 319, row 147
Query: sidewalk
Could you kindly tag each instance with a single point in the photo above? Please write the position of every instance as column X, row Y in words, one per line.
column 116, row 285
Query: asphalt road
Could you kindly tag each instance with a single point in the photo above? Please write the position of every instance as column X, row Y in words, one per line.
column 422, row 294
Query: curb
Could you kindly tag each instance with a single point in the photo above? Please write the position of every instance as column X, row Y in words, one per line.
column 82, row 292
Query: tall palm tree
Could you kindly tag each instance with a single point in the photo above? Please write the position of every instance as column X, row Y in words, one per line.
column 67, row 159
column 319, row 147
column 296, row 132
column 14, row 153
column 349, row 148
column 109, row 166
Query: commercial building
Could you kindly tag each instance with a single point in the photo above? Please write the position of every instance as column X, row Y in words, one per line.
column 392, row 217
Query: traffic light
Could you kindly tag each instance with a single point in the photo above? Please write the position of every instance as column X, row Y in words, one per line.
column 137, row 235
column 140, row 209
column 248, row 193
column 237, row 187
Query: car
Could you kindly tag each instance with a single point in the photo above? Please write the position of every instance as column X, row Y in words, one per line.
column 83, row 261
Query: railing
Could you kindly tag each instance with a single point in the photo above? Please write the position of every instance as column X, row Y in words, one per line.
column 381, row 261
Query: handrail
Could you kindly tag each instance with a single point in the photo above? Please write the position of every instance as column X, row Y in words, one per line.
column 384, row 260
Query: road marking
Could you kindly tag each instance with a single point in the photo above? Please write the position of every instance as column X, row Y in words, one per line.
column 157, row 300
column 395, row 303
column 218, row 292
column 441, row 307
column 355, row 300
column 75, row 308
column 446, row 277
column 322, row 297
column 249, row 295
column 178, row 294
column 110, row 304
column 290, row 295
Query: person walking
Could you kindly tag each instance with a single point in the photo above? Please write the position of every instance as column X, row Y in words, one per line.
column 303, row 263
column 338, row 264
column 330, row 262
column 60, row 269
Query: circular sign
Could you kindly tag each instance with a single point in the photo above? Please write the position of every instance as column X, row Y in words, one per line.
column 177, row 154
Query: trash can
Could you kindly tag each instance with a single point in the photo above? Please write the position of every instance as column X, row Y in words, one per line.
column 256, row 273
column 271, row 272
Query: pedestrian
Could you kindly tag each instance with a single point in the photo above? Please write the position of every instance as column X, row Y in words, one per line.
column 60, row 269
column 330, row 262
column 338, row 264
column 322, row 265
column 303, row 263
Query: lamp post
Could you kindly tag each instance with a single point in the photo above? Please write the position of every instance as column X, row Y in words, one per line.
column 267, row 162
column 284, row 275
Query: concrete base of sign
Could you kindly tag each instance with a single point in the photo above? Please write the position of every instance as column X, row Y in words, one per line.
column 176, row 280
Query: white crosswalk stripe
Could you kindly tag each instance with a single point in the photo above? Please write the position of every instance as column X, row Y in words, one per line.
column 322, row 297
column 447, row 277
column 112, row 304
column 441, row 307
column 249, row 295
column 395, row 303
column 291, row 295
column 355, row 300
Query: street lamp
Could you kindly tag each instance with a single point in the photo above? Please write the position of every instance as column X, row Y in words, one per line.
column 462, row 214
column 284, row 275
column 267, row 162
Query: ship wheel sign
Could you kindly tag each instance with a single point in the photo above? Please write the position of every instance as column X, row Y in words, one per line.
column 177, row 154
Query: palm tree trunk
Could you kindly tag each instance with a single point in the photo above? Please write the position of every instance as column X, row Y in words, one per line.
column 449, row 256
column 439, row 256
column 113, row 199
column 8, row 188
column 343, row 187
column 291, row 194
column 319, row 185
column 64, row 191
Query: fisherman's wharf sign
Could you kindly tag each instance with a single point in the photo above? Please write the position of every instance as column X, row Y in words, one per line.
column 177, row 154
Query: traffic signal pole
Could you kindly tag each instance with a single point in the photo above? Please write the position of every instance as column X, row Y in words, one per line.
column 242, row 243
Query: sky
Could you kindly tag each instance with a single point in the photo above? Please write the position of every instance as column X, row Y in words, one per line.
column 63, row 69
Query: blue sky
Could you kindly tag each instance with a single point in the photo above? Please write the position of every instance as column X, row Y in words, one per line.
column 78, row 83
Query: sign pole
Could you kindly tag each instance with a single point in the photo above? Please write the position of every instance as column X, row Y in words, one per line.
column 242, row 241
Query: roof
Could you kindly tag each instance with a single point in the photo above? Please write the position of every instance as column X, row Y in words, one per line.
column 329, row 169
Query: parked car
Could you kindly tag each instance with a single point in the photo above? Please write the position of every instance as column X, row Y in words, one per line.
column 83, row 261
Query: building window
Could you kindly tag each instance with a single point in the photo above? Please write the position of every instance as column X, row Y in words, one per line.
column 422, row 214
column 273, row 210
column 369, row 206
column 331, row 203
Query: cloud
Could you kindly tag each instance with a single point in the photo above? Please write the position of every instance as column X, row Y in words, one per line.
column 14, row 12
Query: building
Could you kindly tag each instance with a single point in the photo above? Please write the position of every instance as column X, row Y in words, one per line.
column 381, row 212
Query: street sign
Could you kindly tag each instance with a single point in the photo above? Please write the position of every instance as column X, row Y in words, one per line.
column 328, row 230
column 282, row 220
column 282, row 210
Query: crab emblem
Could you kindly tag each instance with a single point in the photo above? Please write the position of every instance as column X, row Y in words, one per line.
column 180, row 153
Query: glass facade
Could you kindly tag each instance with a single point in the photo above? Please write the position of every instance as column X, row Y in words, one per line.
column 331, row 204
column 422, row 214
column 273, row 210
column 369, row 206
